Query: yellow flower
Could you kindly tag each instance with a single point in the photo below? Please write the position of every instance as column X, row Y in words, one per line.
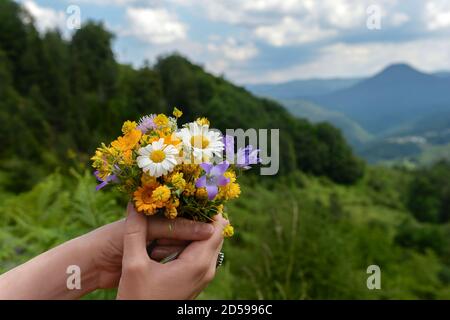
column 98, row 159
column 128, row 141
column 202, row 121
column 191, row 169
column 219, row 208
column 171, row 212
column 230, row 175
column 145, row 139
column 104, row 172
column 143, row 199
column 174, row 202
column 101, row 163
column 177, row 113
column 230, row 191
column 128, row 126
column 161, row 194
column 161, row 120
column 189, row 189
column 178, row 181
column 228, row 231
column 201, row 193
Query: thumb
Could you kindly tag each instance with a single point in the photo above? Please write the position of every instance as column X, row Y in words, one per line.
column 135, row 238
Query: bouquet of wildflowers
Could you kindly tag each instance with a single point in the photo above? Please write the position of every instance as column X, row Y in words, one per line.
column 171, row 170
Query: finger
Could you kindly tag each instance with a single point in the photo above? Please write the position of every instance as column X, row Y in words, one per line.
column 135, row 238
column 205, row 250
column 172, row 242
column 213, row 264
column 161, row 252
column 179, row 228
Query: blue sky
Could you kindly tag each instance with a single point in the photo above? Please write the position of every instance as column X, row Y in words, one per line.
column 259, row 41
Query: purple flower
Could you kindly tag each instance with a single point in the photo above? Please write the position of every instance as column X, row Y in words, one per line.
column 213, row 178
column 246, row 157
column 110, row 178
column 146, row 123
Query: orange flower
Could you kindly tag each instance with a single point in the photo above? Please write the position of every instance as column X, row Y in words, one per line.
column 128, row 141
column 168, row 139
column 128, row 157
column 144, row 201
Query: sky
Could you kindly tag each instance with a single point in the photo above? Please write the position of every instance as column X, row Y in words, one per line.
column 267, row 41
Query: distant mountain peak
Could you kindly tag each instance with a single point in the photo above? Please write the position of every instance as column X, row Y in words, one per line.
column 401, row 70
column 399, row 67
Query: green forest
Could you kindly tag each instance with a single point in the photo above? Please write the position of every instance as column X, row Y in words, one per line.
column 309, row 232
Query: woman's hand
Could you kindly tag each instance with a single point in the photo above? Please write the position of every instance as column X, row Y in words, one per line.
column 171, row 235
column 183, row 278
column 98, row 255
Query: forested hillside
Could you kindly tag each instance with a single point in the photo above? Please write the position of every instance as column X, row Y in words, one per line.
column 61, row 98
column 308, row 233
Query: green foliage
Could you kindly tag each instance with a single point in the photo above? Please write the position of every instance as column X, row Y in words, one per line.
column 55, row 210
column 291, row 242
column 429, row 193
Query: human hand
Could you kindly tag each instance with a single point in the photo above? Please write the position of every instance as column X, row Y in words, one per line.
column 171, row 235
column 183, row 278
column 98, row 255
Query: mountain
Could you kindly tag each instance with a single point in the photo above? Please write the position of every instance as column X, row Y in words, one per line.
column 422, row 141
column 301, row 88
column 399, row 114
column 435, row 127
column 396, row 95
column 351, row 130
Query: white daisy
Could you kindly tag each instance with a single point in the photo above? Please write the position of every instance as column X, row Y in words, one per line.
column 157, row 158
column 200, row 142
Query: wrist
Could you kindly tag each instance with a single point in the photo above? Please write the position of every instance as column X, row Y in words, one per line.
column 105, row 249
column 83, row 252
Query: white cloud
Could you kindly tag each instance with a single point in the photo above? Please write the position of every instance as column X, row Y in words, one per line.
column 45, row 18
column 229, row 56
column 290, row 31
column 232, row 50
column 399, row 18
column 256, row 12
column 110, row 2
column 437, row 14
column 350, row 60
column 288, row 22
column 342, row 14
column 154, row 25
